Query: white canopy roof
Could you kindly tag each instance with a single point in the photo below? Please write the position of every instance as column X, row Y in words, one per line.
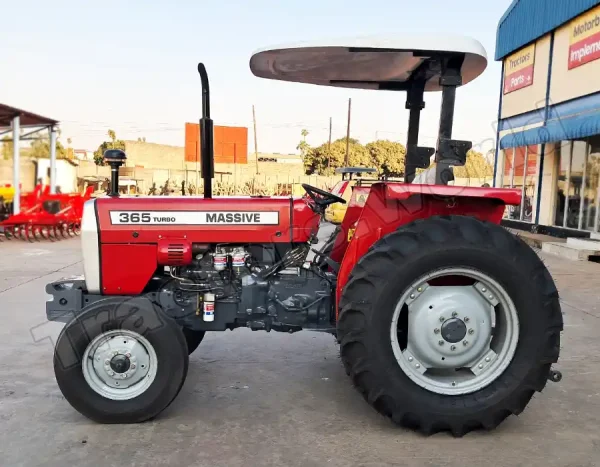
column 365, row 62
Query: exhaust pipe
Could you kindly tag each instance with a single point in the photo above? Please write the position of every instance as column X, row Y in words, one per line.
column 207, row 162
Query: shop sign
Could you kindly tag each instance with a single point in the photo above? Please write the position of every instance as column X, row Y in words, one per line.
column 518, row 69
column 584, row 44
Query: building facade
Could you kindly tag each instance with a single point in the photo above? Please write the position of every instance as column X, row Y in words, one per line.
column 548, row 141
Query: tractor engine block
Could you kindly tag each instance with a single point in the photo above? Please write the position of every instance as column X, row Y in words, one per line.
column 249, row 286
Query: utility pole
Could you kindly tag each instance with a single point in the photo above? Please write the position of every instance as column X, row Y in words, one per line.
column 255, row 143
column 348, row 131
column 329, row 145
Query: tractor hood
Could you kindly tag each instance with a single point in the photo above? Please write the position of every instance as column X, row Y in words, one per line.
column 114, row 222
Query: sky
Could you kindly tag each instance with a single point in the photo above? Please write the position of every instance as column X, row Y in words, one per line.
column 131, row 66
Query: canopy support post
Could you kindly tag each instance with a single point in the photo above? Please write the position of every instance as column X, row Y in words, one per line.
column 449, row 152
column 416, row 156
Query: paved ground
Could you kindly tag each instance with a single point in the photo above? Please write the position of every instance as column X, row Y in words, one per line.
column 257, row 399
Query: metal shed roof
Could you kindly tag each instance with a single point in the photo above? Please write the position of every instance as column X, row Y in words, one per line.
column 528, row 20
column 7, row 113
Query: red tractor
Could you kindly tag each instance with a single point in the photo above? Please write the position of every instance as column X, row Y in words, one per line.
column 445, row 320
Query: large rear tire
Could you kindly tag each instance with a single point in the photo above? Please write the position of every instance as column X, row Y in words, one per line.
column 401, row 332
column 121, row 361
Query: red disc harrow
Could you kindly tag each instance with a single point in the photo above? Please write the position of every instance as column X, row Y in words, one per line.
column 45, row 216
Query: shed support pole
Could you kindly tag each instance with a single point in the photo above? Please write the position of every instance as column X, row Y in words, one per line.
column 16, row 165
column 52, row 131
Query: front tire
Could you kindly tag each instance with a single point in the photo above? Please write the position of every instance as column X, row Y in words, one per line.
column 121, row 361
column 394, row 359
column 193, row 339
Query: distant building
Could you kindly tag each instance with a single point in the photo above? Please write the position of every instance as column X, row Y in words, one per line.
column 280, row 158
column 549, row 114
column 83, row 154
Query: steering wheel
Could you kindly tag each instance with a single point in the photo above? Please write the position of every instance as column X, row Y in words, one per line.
column 324, row 199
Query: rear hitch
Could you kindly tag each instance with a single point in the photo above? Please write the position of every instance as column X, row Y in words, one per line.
column 555, row 376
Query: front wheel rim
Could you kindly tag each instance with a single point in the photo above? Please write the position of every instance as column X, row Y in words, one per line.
column 454, row 340
column 119, row 364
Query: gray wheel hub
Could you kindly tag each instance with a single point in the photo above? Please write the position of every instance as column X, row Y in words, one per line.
column 119, row 364
column 459, row 338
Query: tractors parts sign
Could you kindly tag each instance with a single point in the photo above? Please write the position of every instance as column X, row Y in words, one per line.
column 518, row 69
column 584, row 45
column 194, row 217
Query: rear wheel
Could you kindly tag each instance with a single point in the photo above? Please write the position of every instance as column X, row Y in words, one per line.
column 121, row 361
column 449, row 323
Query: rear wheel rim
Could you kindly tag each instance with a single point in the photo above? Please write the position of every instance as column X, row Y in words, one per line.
column 454, row 340
column 119, row 364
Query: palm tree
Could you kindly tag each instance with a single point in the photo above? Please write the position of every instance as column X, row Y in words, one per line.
column 113, row 136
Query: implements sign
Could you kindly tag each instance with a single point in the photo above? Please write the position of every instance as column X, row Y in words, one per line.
column 518, row 69
column 584, row 46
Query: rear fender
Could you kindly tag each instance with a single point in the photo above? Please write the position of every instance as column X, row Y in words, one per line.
column 390, row 205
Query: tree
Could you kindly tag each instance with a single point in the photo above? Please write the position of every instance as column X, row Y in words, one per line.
column 387, row 157
column 476, row 167
column 323, row 160
column 303, row 146
column 7, row 148
column 114, row 143
column 142, row 140
column 40, row 148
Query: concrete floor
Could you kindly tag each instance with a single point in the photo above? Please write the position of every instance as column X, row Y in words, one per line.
column 258, row 399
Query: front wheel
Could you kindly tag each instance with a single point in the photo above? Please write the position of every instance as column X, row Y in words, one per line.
column 121, row 361
column 449, row 323
column 193, row 339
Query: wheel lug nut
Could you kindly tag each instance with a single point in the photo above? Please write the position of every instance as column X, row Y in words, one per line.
column 452, row 347
column 107, row 362
column 471, row 331
column 442, row 319
column 441, row 342
column 111, row 373
column 466, row 319
column 436, row 331
column 128, row 355
column 465, row 342
column 133, row 367
column 454, row 314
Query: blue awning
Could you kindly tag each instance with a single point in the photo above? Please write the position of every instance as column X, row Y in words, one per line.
column 579, row 126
